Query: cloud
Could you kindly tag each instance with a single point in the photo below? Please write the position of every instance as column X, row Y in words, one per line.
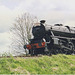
column 11, row 4
column 4, row 42
column 54, row 11
column 5, row 18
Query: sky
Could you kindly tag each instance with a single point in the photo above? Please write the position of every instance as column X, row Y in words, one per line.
column 53, row 11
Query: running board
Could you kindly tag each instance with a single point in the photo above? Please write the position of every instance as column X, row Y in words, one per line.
column 62, row 37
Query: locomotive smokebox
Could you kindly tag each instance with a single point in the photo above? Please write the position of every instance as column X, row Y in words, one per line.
column 38, row 31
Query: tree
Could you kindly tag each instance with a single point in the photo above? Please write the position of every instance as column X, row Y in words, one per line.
column 21, row 31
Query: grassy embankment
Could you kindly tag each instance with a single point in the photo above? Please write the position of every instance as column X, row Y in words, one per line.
column 55, row 64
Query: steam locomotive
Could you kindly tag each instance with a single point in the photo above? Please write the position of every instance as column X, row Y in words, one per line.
column 50, row 39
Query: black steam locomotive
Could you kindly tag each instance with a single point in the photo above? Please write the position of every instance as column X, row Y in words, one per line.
column 51, row 39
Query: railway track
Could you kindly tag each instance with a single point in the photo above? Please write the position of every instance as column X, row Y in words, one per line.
column 21, row 56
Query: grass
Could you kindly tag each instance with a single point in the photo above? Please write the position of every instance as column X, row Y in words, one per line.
column 55, row 64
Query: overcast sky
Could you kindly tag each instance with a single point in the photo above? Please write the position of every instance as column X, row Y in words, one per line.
column 53, row 11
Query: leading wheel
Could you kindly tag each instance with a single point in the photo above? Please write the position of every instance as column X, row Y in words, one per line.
column 32, row 52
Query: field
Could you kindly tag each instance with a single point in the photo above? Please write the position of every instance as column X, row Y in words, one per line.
column 55, row 64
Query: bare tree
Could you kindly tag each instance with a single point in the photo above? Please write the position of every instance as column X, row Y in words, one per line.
column 21, row 31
